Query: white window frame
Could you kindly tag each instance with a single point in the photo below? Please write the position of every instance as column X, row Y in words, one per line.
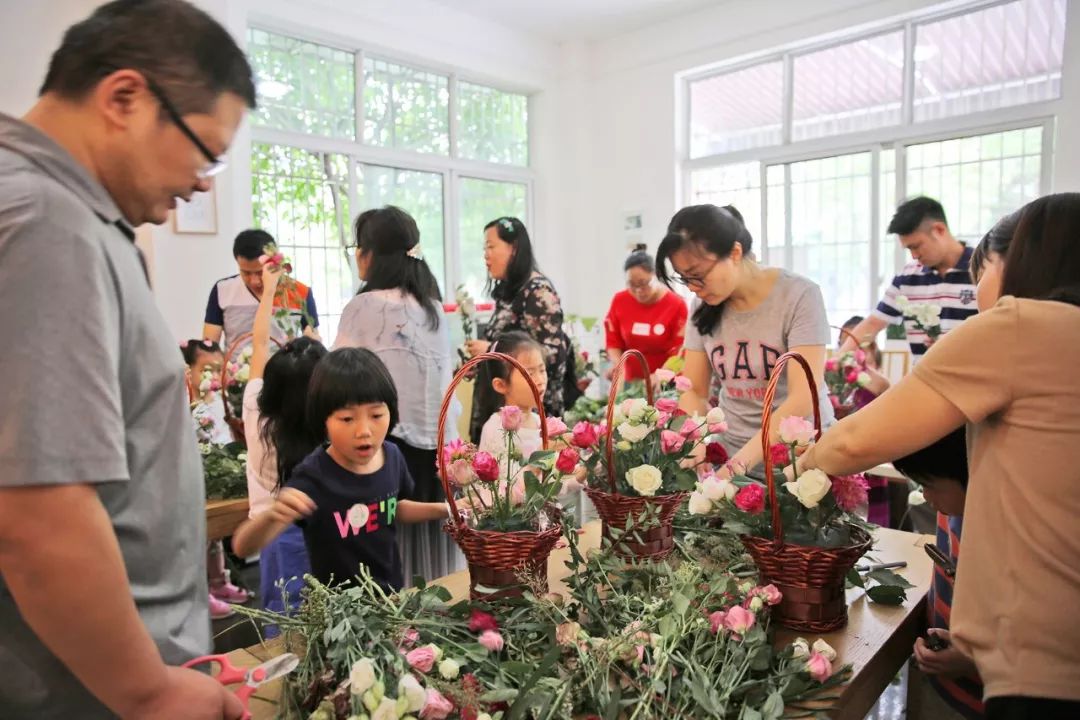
column 450, row 166
column 898, row 136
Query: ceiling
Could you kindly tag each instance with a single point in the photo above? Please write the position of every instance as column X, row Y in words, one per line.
column 562, row 20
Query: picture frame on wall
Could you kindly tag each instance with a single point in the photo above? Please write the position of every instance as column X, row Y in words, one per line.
column 198, row 216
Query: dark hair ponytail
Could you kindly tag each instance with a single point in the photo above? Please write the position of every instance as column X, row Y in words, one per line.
column 487, row 399
column 707, row 228
column 190, row 349
column 639, row 259
column 522, row 263
column 389, row 234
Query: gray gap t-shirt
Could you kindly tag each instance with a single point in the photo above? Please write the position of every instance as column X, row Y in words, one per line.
column 94, row 393
column 743, row 347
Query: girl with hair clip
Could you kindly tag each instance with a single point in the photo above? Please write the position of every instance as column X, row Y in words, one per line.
column 525, row 300
column 398, row 315
column 350, row 494
column 278, row 438
column 744, row 318
column 1008, row 374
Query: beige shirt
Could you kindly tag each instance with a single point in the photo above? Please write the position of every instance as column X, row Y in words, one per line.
column 1012, row 372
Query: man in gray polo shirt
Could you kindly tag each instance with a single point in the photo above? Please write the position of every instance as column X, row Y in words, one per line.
column 102, row 530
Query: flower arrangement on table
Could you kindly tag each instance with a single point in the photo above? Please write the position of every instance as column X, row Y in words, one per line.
column 224, row 468
column 925, row 316
column 647, row 643
column 845, row 375
column 801, row 528
column 641, row 463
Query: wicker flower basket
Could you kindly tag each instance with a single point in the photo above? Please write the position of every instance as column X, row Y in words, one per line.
column 842, row 411
column 236, row 424
column 810, row 578
column 497, row 560
column 651, row 535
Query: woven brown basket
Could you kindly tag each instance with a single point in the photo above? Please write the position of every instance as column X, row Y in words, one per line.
column 651, row 535
column 810, row 578
column 498, row 561
column 842, row 411
column 236, row 424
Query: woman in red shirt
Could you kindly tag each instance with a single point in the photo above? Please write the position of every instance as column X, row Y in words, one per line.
column 646, row 316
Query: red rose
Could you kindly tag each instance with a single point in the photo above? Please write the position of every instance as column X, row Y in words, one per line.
column 585, row 435
column 479, row 621
column 750, row 499
column 715, row 454
column 780, row 454
column 486, row 467
column 568, row 460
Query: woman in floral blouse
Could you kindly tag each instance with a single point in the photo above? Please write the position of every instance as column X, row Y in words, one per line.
column 525, row 300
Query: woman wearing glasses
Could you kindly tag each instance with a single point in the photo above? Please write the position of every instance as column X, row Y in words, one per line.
column 745, row 317
column 646, row 316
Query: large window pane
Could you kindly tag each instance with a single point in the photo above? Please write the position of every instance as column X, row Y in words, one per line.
column 492, row 125
column 737, row 110
column 889, row 263
column 848, row 88
column 481, row 202
column 302, row 86
column 1003, row 55
column 977, row 179
column 738, row 184
column 418, row 193
column 301, row 198
column 406, row 108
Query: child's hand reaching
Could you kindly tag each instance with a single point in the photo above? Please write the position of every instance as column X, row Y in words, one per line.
column 271, row 275
column 291, row 505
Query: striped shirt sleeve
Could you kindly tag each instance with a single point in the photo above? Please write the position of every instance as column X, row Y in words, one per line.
column 887, row 309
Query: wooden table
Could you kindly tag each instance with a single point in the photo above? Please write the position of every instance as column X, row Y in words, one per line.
column 876, row 642
column 224, row 516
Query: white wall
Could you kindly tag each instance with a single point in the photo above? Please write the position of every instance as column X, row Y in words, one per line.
column 630, row 107
column 186, row 266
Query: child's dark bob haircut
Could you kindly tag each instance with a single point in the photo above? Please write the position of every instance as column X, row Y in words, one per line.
column 349, row 376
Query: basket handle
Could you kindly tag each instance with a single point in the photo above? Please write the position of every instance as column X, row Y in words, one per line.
column 234, row 347
column 766, row 417
column 848, row 333
column 448, row 398
column 616, row 375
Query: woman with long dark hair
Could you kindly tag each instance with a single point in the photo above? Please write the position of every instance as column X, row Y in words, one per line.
column 525, row 300
column 398, row 315
column 1009, row 374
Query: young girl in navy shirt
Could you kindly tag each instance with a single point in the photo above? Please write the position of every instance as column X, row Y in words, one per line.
column 346, row 496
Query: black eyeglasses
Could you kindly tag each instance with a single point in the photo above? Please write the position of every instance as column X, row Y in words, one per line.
column 696, row 282
column 215, row 164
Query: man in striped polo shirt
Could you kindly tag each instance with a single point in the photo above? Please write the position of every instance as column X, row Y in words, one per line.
column 937, row 275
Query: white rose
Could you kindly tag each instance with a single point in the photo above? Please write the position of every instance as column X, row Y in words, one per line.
column 718, row 489
column 903, row 304
column 699, row 504
column 449, row 669
column 715, row 416
column 646, row 479
column 756, row 603
column 824, row 648
column 243, row 374
column 801, row 648
column 811, row 486
column 411, row 689
column 634, row 408
column 634, row 433
column 863, row 380
column 623, row 446
column 915, row 497
column 361, row 677
column 387, row 710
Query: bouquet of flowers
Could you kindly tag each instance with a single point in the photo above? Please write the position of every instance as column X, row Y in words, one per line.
column 925, row 316
column 466, row 308
column 237, row 373
column 511, row 492
column 273, row 258
column 845, row 374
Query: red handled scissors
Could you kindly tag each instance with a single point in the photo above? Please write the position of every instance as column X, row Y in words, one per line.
column 251, row 678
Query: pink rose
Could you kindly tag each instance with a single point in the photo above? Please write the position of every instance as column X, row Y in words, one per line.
column 486, row 467
column 750, row 499
column 795, row 430
column 422, row 659
column 671, row 442
column 511, row 418
column 491, row 640
column 819, row 666
column 556, row 427
column 666, row 405
column 683, row 384
column 738, row 620
column 780, row 454
column 461, row 473
column 664, row 376
column 718, row 428
column 716, row 621
column 831, row 365
column 852, row 376
column 567, row 461
column 480, row 621
column 662, row 419
column 691, row 429
column 771, row 594
column 436, row 707
column 410, row 638
column 585, row 435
